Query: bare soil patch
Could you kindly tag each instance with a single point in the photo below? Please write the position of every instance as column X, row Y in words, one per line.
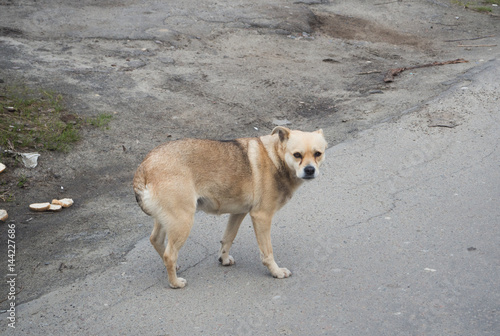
column 359, row 29
column 210, row 70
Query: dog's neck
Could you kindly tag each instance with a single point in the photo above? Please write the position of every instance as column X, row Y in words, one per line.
column 272, row 146
column 275, row 152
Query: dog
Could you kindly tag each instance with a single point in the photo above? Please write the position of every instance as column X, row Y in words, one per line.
column 255, row 176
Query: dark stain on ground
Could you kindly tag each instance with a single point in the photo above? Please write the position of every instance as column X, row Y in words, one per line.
column 352, row 28
column 6, row 31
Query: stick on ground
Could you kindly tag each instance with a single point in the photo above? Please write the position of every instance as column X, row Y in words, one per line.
column 471, row 39
column 476, row 45
column 389, row 77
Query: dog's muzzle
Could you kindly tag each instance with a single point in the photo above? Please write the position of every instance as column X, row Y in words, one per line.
column 309, row 172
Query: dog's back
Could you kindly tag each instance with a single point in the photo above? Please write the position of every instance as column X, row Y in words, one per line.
column 218, row 172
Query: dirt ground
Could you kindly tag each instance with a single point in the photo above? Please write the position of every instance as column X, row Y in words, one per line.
column 205, row 69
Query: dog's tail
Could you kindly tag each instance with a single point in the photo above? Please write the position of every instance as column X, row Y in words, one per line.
column 141, row 190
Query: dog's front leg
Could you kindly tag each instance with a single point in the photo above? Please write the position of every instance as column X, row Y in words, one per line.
column 227, row 240
column 262, row 226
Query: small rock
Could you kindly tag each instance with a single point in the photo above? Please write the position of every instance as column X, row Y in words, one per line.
column 166, row 60
column 10, row 108
column 136, row 64
column 281, row 122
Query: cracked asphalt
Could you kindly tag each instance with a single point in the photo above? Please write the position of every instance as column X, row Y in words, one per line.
column 398, row 236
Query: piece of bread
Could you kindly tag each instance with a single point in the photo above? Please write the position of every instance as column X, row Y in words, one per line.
column 2, row 167
column 65, row 202
column 40, row 206
column 3, row 215
column 55, row 207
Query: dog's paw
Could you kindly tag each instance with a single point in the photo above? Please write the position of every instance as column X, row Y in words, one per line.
column 281, row 273
column 179, row 283
column 227, row 262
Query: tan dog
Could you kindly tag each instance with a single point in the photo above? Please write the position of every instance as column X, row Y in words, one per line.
column 248, row 175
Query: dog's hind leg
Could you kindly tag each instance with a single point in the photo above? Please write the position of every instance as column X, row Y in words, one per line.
column 177, row 231
column 227, row 240
column 157, row 238
column 262, row 226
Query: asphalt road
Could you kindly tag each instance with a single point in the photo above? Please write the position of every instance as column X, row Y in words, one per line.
column 398, row 236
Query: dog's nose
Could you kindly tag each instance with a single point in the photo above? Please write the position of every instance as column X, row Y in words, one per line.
column 309, row 171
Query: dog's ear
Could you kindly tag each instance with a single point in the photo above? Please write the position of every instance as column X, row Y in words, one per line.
column 283, row 133
column 320, row 131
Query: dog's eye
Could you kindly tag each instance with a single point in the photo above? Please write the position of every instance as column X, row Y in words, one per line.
column 317, row 154
column 297, row 155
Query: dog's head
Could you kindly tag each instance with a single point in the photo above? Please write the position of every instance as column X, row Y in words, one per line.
column 303, row 151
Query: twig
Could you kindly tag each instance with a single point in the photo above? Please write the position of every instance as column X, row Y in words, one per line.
column 476, row 46
column 4, row 194
column 369, row 72
column 19, row 291
column 389, row 77
column 34, row 268
column 470, row 39
column 386, row 3
column 64, row 266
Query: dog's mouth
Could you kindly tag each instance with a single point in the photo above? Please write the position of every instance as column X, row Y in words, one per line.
column 308, row 177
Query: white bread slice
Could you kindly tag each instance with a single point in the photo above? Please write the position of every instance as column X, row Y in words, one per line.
column 55, row 207
column 40, row 206
column 65, row 202
column 3, row 215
